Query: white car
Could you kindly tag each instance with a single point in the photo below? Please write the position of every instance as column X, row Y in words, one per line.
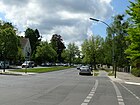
column 28, row 64
column 85, row 70
column 2, row 64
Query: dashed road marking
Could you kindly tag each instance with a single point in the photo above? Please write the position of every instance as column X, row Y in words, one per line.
column 91, row 94
column 84, row 104
column 119, row 96
column 120, row 100
column 121, row 103
column 86, row 100
column 88, row 97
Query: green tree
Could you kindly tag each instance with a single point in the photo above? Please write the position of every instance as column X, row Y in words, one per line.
column 9, row 44
column 107, row 49
column 133, row 50
column 34, row 38
column 71, row 54
column 45, row 53
column 65, row 55
column 119, row 30
column 91, row 50
column 58, row 45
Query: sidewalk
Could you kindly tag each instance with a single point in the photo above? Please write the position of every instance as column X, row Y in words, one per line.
column 126, row 78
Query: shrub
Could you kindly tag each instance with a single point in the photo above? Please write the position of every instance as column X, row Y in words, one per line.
column 136, row 72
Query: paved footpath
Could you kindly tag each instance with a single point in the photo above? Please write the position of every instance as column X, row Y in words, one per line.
column 126, row 78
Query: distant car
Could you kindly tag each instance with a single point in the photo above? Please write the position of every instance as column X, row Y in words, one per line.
column 65, row 64
column 85, row 70
column 78, row 67
column 28, row 64
column 46, row 64
column 2, row 64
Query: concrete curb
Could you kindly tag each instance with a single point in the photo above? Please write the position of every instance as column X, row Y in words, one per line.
column 16, row 73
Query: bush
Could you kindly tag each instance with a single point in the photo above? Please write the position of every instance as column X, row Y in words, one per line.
column 136, row 72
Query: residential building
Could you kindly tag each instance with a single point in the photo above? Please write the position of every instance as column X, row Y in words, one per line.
column 26, row 47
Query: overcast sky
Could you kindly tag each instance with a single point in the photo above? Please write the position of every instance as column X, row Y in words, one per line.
column 68, row 18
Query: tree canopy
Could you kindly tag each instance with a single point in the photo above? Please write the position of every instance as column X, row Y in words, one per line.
column 71, row 54
column 133, row 50
column 58, row 45
column 91, row 49
column 34, row 38
column 119, row 32
column 9, row 43
column 45, row 53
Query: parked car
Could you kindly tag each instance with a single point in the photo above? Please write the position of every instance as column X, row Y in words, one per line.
column 2, row 64
column 85, row 70
column 78, row 67
column 28, row 64
column 46, row 64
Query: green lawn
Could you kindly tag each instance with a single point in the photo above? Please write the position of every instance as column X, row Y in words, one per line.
column 110, row 72
column 41, row 70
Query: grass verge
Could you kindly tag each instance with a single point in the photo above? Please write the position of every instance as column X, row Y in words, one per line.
column 96, row 70
column 41, row 70
column 96, row 74
column 108, row 71
column 111, row 74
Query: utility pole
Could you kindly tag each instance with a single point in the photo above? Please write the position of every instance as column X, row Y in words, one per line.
column 113, row 48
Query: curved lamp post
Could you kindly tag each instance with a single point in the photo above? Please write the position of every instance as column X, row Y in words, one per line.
column 97, row 20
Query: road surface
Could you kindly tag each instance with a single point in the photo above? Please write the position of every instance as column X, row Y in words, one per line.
column 66, row 87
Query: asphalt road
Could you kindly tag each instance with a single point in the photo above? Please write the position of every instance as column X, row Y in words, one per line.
column 66, row 87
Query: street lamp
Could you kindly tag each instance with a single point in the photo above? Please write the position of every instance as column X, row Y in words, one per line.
column 97, row 20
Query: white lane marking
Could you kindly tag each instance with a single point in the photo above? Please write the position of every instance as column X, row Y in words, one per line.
column 130, row 92
column 132, row 83
column 91, row 94
column 119, row 96
column 88, row 97
column 86, row 100
column 121, row 103
column 84, row 104
column 120, row 100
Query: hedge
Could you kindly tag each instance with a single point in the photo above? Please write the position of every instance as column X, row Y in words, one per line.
column 136, row 72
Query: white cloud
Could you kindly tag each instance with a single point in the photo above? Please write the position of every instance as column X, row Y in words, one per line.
column 69, row 18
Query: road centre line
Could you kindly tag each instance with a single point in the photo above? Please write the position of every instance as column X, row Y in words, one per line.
column 91, row 94
column 130, row 92
column 119, row 96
